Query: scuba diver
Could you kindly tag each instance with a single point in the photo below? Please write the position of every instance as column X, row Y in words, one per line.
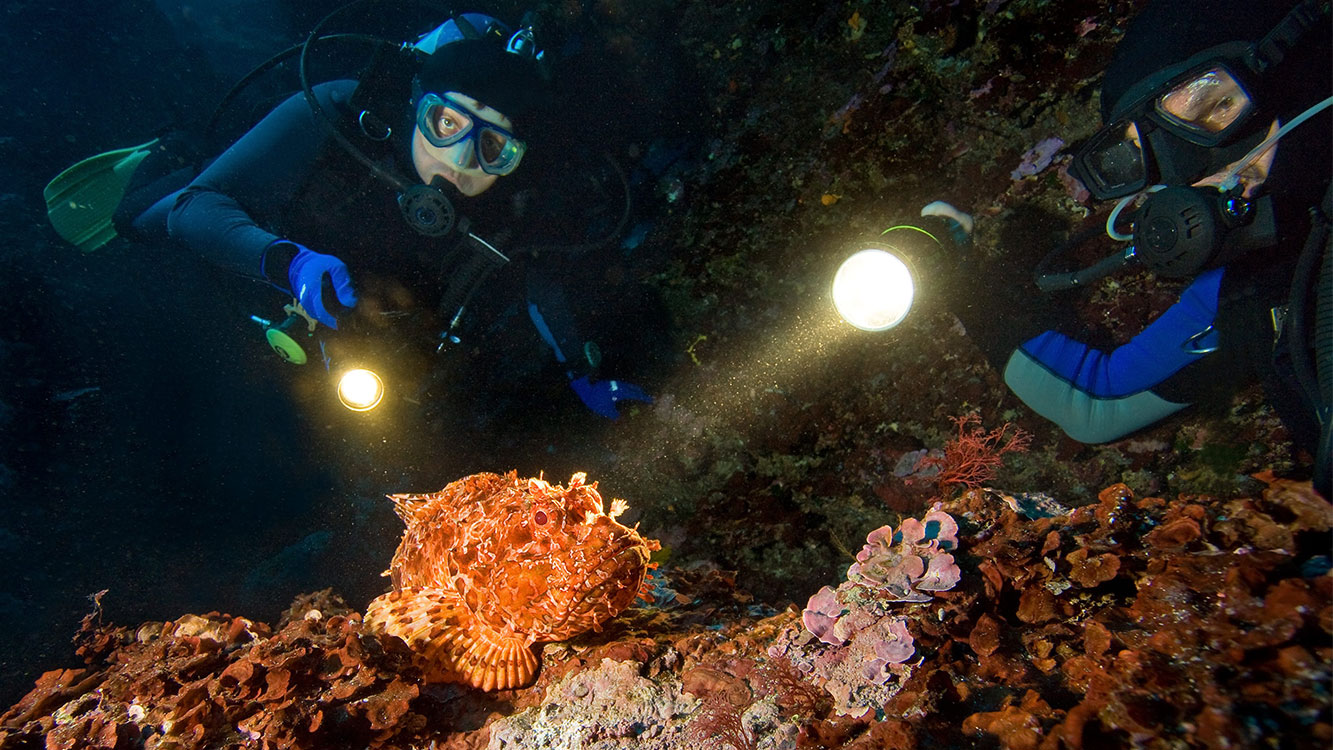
column 1216, row 117
column 367, row 197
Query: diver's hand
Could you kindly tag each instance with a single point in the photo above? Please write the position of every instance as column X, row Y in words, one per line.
column 601, row 396
column 960, row 223
column 309, row 272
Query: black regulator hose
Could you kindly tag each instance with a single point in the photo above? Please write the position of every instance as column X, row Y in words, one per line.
column 1323, row 352
column 1048, row 280
column 1312, row 339
column 225, row 103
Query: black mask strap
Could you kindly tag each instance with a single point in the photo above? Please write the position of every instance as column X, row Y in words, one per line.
column 1275, row 45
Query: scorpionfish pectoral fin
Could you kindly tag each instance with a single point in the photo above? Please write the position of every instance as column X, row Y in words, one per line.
column 451, row 643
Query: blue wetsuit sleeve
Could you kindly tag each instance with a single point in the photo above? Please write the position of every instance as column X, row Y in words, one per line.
column 1096, row 396
column 232, row 211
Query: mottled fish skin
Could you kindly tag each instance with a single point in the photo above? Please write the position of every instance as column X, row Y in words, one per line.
column 491, row 566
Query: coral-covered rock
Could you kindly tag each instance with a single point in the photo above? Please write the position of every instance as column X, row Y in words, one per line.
column 610, row 704
column 218, row 680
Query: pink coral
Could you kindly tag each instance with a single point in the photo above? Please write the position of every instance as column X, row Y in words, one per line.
column 864, row 648
column 906, row 565
column 821, row 615
column 893, row 645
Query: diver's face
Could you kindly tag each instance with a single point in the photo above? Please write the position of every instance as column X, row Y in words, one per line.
column 1253, row 174
column 1250, row 176
column 457, row 164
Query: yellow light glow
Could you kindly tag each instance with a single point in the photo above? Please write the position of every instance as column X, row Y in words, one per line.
column 873, row 290
column 360, row 390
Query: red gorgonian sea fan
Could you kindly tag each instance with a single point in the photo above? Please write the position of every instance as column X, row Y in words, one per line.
column 973, row 457
column 718, row 725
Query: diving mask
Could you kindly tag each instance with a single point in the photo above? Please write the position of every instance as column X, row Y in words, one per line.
column 1207, row 106
column 444, row 121
column 1193, row 118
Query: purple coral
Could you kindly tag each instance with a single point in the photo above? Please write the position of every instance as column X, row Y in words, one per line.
column 821, row 615
column 904, row 566
column 1037, row 158
column 862, row 657
column 893, row 645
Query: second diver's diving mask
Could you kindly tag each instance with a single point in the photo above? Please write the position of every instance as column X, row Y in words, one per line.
column 444, row 121
column 1171, row 133
column 1189, row 119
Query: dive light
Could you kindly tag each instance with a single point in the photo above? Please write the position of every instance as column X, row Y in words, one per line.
column 878, row 286
column 873, row 289
column 359, row 389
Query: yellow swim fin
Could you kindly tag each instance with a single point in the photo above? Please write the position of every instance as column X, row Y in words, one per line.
column 82, row 200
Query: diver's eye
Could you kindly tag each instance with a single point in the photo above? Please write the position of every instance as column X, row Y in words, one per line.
column 448, row 122
column 492, row 145
column 539, row 518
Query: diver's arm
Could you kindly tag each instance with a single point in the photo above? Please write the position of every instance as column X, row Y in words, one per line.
column 1097, row 397
column 548, row 308
column 230, row 212
column 549, row 311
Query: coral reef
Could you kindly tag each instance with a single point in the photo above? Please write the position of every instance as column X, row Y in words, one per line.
column 1128, row 622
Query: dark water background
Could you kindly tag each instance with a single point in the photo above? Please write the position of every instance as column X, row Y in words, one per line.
column 149, row 443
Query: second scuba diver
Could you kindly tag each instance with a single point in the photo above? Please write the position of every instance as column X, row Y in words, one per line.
column 1217, row 114
column 344, row 197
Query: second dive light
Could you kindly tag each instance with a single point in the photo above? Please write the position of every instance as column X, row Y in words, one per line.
column 360, row 389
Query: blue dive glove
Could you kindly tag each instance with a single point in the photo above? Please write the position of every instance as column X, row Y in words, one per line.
column 307, row 273
column 602, row 396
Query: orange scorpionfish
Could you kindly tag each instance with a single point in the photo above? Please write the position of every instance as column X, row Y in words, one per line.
column 492, row 566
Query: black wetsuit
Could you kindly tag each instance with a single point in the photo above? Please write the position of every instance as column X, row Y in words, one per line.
column 288, row 179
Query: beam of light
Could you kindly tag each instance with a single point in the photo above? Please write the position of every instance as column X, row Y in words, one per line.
column 735, row 386
column 873, row 290
column 360, row 390
column 741, row 386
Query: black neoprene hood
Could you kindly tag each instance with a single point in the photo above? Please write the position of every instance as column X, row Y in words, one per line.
column 483, row 70
column 1168, row 32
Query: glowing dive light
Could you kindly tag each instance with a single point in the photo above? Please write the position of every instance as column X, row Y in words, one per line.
column 873, row 290
column 360, row 390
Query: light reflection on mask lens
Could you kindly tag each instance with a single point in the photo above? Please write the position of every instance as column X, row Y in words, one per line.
column 1210, row 102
